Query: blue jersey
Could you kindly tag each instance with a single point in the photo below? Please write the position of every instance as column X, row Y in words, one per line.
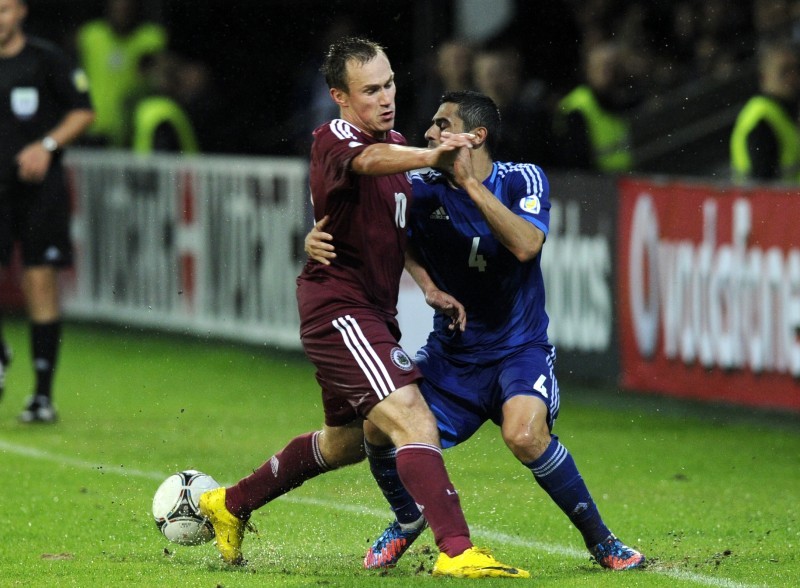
column 504, row 298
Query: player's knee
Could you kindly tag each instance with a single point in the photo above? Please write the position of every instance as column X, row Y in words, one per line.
column 527, row 444
column 525, row 429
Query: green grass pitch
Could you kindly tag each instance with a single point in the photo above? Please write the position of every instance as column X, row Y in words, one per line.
column 710, row 494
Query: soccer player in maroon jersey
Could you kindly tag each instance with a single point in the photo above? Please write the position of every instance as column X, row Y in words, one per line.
column 348, row 320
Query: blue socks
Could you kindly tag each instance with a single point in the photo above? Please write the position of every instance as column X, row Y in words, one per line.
column 383, row 465
column 556, row 473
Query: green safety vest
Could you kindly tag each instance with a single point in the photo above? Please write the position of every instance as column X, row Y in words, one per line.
column 111, row 63
column 763, row 108
column 153, row 111
column 609, row 134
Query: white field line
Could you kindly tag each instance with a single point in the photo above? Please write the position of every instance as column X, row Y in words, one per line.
column 492, row 536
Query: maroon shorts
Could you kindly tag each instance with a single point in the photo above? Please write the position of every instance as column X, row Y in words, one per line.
column 359, row 363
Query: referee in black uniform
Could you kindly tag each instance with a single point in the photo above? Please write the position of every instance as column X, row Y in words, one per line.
column 44, row 105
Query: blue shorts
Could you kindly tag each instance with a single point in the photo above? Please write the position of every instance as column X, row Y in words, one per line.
column 463, row 396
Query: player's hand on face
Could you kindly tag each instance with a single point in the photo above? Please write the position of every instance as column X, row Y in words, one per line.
column 455, row 141
column 444, row 302
column 33, row 162
column 317, row 243
column 462, row 166
column 449, row 146
column 458, row 140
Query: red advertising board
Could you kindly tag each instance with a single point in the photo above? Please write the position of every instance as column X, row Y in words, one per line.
column 708, row 283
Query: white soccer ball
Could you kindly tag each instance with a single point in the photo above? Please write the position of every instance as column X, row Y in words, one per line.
column 176, row 508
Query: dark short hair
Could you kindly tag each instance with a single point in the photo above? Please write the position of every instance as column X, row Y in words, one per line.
column 477, row 110
column 339, row 53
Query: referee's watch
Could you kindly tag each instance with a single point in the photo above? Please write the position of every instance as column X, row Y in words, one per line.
column 50, row 144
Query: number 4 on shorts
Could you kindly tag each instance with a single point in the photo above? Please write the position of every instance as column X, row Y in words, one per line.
column 539, row 386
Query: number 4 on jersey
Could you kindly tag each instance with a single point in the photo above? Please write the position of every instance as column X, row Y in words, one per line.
column 475, row 259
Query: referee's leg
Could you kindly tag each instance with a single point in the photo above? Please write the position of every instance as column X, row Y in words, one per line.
column 40, row 288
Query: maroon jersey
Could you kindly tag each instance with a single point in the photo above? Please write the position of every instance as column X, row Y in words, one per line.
column 368, row 223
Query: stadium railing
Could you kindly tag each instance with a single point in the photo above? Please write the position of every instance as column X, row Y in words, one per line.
column 204, row 245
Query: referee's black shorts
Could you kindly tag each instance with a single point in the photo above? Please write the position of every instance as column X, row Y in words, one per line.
column 37, row 216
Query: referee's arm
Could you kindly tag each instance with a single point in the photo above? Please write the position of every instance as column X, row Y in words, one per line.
column 34, row 160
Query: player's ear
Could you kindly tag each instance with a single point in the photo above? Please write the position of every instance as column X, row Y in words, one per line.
column 339, row 96
column 480, row 133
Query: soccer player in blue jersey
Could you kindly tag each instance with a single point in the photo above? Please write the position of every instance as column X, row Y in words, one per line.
column 476, row 232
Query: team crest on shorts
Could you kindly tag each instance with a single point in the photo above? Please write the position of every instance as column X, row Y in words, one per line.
column 401, row 359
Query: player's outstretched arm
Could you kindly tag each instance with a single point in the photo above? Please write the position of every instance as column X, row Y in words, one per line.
column 317, row 243
column 382, row 159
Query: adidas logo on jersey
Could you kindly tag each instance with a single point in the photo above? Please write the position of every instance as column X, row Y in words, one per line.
column 440, row 214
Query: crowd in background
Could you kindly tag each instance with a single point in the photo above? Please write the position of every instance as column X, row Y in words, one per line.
column 568, row 106
column 144, row 95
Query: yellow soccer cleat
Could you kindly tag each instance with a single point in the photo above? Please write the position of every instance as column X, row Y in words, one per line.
column 475, row 563
column 228, row 528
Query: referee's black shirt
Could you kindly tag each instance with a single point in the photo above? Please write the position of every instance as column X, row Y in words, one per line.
column 38, row 87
